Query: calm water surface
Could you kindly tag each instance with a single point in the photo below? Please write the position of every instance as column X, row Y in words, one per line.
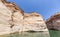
column 27, row 34
column 54, row 33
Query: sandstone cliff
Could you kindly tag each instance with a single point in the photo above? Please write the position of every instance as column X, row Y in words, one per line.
column 54, row 22
column 34, row 21
column 13, row 19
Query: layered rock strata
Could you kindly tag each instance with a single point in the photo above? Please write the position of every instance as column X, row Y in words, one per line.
column 53, row 22
column 13, row 19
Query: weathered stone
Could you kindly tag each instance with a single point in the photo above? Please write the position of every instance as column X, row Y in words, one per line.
column 54, row 22
column 13, row 19
column 34, row 22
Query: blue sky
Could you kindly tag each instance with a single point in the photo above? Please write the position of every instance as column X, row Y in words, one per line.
column 44, row 7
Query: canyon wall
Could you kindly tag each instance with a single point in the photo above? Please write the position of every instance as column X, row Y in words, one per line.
column 14, row 19
column 53, row 22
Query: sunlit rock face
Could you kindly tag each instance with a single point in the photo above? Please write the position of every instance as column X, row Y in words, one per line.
column 54, row 22
column 13, row 19
column 5, row 17
column 34, row 22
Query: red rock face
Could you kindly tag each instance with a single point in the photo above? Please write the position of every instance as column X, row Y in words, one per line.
column 54, row 22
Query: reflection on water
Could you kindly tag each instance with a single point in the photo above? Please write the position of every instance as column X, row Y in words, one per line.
column 27, row 34
column 54, row 33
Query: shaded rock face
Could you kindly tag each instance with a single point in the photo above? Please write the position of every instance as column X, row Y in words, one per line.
column 13, row 19
column 54, row 22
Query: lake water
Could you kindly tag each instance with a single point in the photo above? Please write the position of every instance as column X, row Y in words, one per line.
column 27, row 34
column 53, row 33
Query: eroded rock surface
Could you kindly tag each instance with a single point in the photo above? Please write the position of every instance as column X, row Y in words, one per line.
column 13, row 19
column 34, row 21
column 54, row 22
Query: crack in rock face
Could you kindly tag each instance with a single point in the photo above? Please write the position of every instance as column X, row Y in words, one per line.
column 13, row 19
